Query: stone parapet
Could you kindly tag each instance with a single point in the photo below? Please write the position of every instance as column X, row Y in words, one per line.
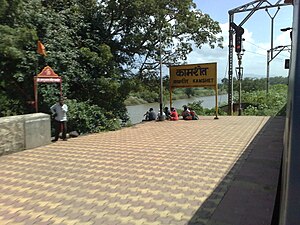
column 24, row 132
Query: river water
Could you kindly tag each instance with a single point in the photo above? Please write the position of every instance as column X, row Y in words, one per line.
column 136, row 112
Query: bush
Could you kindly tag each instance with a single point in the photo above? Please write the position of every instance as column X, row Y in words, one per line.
column 262, row 104
column 132, row 100
column 198, row 108
column 148, row 96
column 86, row 118
column 10, row 107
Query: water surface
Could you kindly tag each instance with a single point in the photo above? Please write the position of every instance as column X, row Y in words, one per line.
column 136, row 112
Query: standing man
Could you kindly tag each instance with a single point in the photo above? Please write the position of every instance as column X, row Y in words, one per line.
column 59, row 111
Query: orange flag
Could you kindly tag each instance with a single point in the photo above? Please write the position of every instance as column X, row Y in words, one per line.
column 41, row 49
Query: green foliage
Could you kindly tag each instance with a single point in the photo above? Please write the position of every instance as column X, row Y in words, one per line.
column 278, row 80
column 16, row 59
column 250, row 84
column 141, row 27
column 189, row 92
column 9, row 107
column 92, row 59
column 149, row 96
column 95, row 46
column 259, row 103
column 87, row 118
column 3, row 7
column 262, row 104
column 198, row 108
column 133, row 100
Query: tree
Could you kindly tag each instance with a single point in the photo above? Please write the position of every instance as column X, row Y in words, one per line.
column 252, row 84
column 95, row 46
column 137, row 28
column 16, row 42
column 189, row 92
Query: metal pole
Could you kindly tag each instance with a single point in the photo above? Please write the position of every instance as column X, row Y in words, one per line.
column 170, row 87
column 272, row 28
column 216, row 101
column 161, row 81
column 35, row 86
column 268, row 71
column 272, row 49
column 269, row 60
column 230, row 67
column 240, row 84
column 170, row 98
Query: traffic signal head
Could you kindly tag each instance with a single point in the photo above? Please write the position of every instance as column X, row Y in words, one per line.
column 239, row 31
column 238, row 43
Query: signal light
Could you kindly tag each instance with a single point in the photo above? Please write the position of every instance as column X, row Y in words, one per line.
column 238, row 43
column 239, row 31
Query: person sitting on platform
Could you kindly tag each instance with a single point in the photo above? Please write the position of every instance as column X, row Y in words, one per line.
column 173, row 114
column 167, row 113
column 193, row 114
column 150, row 115
column 186, row 114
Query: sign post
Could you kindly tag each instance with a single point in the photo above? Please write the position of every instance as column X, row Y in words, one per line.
column 46, row 76
column 194, row 75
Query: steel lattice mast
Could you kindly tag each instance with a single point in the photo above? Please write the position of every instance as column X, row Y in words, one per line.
column 250, row 7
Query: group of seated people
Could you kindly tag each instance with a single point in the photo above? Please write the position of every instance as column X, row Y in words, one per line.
column 171, row 115
column 187, row 114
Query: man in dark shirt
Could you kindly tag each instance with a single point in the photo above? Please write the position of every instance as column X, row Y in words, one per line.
column 150, row 115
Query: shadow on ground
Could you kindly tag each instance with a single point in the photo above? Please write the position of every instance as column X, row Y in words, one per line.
column 246, row 195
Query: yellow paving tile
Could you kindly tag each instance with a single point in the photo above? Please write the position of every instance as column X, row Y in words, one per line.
column 128, row 175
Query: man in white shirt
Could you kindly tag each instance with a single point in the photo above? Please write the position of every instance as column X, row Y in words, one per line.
column 59, row 110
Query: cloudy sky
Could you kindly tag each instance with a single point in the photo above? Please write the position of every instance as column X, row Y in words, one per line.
column 257, row 38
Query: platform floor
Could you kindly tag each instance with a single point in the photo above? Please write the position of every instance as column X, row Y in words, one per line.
column 154, row 173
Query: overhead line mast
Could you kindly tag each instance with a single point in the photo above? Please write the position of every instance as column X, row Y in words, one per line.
column 250, row 7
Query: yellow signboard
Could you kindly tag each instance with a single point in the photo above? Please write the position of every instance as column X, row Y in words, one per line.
column 193, row 75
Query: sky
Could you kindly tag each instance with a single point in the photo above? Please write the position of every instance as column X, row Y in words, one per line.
column 257, row 38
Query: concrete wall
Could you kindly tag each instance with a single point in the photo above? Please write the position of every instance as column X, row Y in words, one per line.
column 24, row 132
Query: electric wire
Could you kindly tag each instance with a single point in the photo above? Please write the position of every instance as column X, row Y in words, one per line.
column 277, row 58
column 256, row 45
column 261, row 47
